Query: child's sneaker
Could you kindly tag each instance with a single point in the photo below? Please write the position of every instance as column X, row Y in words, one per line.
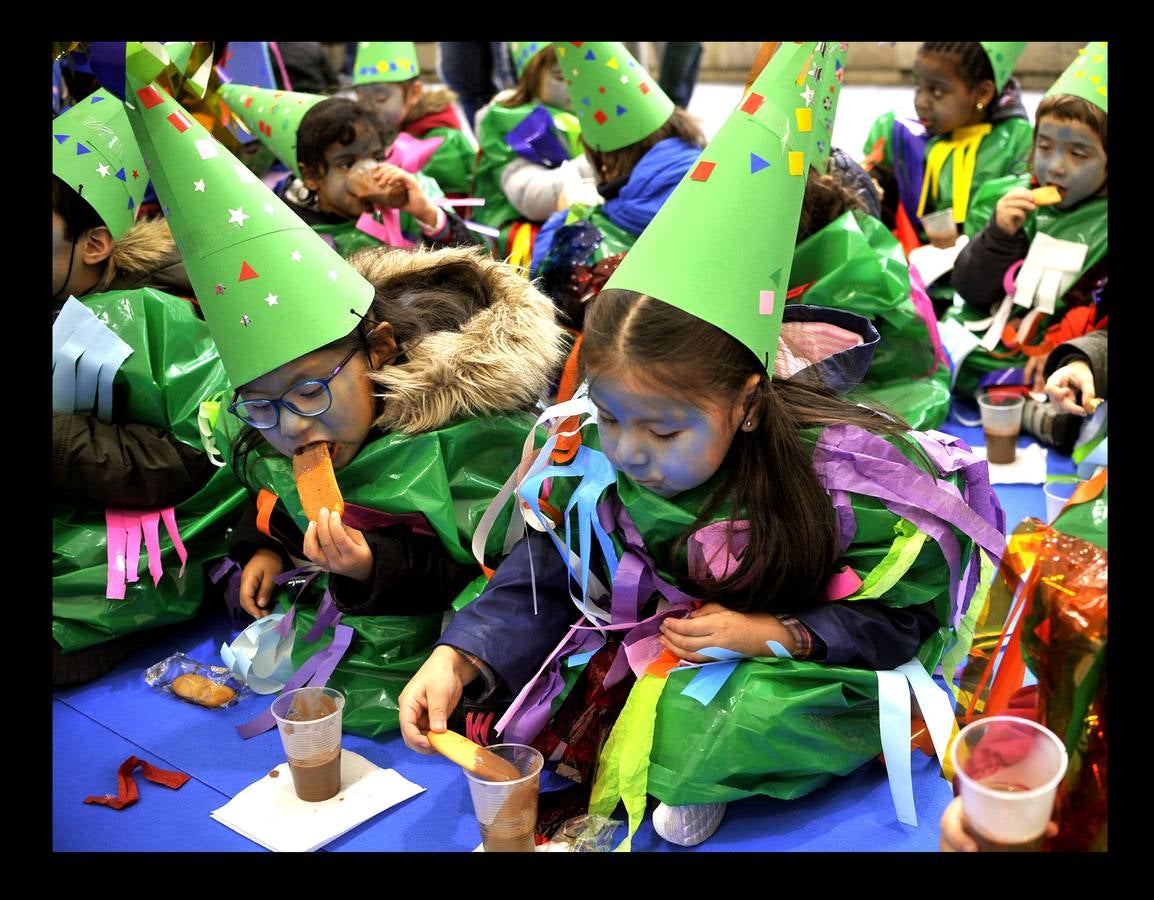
column 1054, row 429
column 689, row 825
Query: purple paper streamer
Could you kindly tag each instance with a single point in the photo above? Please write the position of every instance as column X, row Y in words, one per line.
column 850, row 458
column 315, row 672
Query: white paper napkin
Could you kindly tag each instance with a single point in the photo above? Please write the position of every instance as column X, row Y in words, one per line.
column 269, row 812
column 1028, row 467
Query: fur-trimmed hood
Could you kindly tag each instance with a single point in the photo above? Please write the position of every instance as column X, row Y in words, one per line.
column 503, row 359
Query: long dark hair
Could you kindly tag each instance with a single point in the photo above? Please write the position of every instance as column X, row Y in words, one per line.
column 793, row 541
column 440, row 298
column 525, row 91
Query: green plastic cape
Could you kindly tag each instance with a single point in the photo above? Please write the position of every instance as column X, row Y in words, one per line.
column 451, row 166
column 450, row 476
column 1086, row 224
column 173, row 368
column 782, row 727
column 494, row 156
column 858, row 266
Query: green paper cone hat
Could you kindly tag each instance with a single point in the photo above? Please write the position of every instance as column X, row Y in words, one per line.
column 1003, row 55
column 270, row 288
column 523, row 51
column 829, row 83
column 1085, row 77
column 274, row 116
column 616, row 100
column 385, row 61
column 722, row 246
column 95, row 153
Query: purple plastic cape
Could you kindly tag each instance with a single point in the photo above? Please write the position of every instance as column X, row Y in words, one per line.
column 535, row 139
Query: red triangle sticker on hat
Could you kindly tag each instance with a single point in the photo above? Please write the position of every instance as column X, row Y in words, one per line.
column 246, row 272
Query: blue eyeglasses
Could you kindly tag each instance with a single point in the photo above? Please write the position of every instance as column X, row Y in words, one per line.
column 309, row 398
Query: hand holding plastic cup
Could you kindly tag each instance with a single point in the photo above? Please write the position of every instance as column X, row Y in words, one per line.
column 1008, row 771
column 1058, row 492
column 1001, row 423
column 364, row 180
column 940, row 227
column 507, row 810
column 309, row 721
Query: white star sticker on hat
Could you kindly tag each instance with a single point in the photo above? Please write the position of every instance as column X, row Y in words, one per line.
column 807, row 95
column 269, row 208
column 332, row 274
column 238, row 216
column 198, row 185
column 271, row 299
column 103, row 170
column 296, row 257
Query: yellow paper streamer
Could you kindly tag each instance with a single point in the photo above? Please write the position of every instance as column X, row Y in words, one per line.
column 898, row 559
column 963, row 144
column 623, row 768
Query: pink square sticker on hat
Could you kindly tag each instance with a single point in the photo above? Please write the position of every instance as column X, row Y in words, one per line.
column 766, row 305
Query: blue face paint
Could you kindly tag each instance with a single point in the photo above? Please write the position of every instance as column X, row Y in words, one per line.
column 1069, row 155
column 659, row 439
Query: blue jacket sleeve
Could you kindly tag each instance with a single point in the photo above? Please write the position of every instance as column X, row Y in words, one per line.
column 500, row 626
column 867, row 634
column 544, row 240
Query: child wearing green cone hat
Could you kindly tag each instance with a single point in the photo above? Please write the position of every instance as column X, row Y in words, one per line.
column 1030, row 274
column 970, row 127
column 639, row 146
column 387, row 79
column 322, row 140
column 530, row 153
column 132, row 361
column 846, row 259
column 801, row 546
column 413, row 371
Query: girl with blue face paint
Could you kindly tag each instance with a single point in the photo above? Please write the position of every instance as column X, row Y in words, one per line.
column 700, row 437
column 1070, row 156
column 742, row 512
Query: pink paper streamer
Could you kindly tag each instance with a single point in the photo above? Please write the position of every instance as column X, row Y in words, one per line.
column 388, row 230
column 125, row 528
column 924, row 307
column 412, row 153
column 150, row 522
column 169, row 516
column 458, row 201
column 115, row 540
column 711, row 551
column 842, row 584
column 131, row 525
column 288, row 85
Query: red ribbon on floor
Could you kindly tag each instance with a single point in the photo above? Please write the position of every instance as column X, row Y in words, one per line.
column 126, row 786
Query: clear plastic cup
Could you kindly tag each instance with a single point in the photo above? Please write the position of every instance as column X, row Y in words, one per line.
column 1057, row 493
column 309, row 721
column 940, row 227
column 507, row 810
column 362, row 182
column 1008, row 772
column 1001, row 423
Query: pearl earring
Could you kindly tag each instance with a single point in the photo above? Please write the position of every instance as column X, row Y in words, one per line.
column 981, row 105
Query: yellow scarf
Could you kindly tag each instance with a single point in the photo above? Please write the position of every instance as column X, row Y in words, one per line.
column 965, row 141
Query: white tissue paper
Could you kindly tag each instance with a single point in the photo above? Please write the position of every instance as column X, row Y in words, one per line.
column 1028, row 467
column 269, row 812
